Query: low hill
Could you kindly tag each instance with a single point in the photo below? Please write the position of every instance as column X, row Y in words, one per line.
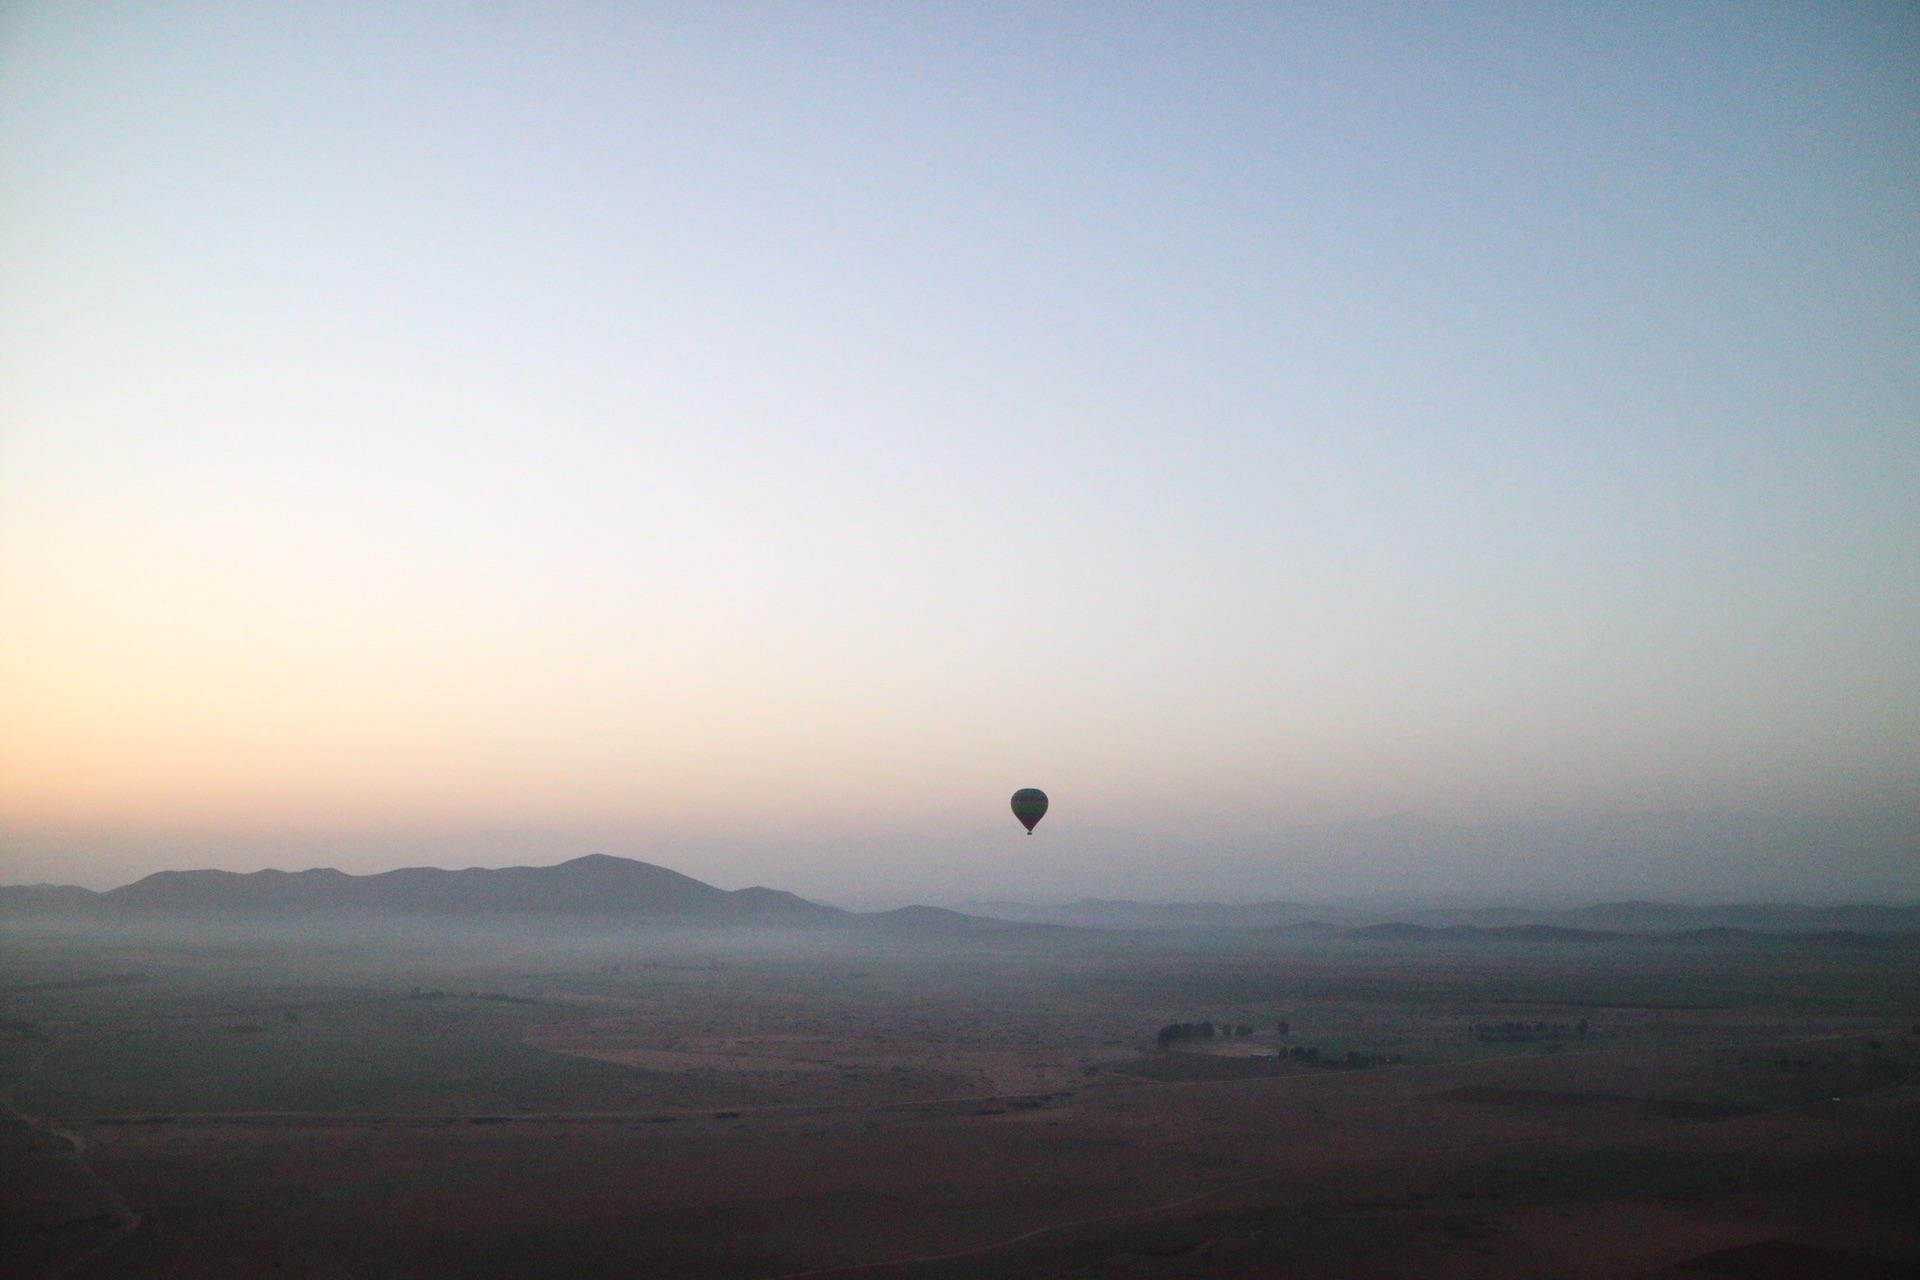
column 1605, row 919
column 1102, row 913
column 941, row 922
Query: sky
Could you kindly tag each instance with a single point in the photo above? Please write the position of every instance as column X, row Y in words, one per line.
column 1463, row 450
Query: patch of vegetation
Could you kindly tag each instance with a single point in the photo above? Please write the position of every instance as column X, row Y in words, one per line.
column 1522, row 1032
column 455, row 1056
column 1550, row 1175
column 1815, row 1074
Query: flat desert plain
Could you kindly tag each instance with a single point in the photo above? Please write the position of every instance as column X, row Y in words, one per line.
column 392, row 1099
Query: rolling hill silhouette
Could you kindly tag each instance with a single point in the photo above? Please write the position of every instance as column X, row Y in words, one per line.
column 596, row 885
column 610, row 888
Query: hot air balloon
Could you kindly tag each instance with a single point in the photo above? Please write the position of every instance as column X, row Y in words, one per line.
column 1029, row 805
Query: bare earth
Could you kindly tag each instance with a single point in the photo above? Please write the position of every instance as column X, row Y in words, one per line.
column 699, row 1107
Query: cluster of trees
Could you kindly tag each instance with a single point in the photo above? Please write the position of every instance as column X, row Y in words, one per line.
column 1307, row 1055
column 1310, row 1056
column 1174, row 1032
column 1520, row 1031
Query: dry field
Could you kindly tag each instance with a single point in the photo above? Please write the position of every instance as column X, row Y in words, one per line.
column 536, row 1103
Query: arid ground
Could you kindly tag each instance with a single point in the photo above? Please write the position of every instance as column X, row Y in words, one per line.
column 386, row 1099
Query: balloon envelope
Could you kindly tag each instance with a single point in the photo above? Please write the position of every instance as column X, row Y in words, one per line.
column 1029, row 805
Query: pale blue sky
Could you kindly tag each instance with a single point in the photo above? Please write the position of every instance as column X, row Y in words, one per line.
column 791, row 428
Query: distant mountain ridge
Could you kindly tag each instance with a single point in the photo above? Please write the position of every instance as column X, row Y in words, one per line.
column 1119, row 913
column 1603, row 918
column 596, row 885
column 609, row 888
